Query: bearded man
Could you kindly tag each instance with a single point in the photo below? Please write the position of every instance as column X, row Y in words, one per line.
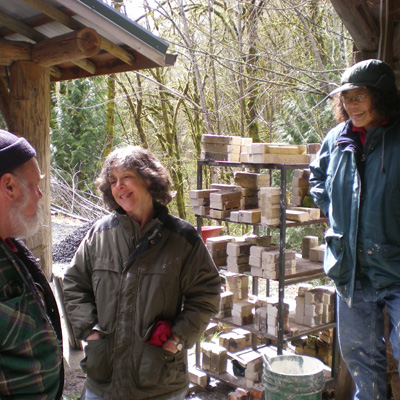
column 31, row 365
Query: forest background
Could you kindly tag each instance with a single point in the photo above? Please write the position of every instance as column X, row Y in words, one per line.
column 254, row 68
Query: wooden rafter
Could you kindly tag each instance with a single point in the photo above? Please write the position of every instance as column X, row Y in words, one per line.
column 73, row 24
column 24, row 29
column 71, row 46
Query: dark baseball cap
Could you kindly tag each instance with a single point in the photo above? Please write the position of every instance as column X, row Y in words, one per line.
column 372, row 73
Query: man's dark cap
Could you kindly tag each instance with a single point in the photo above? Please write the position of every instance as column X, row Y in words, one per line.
column 372, row 73
column 14, row 151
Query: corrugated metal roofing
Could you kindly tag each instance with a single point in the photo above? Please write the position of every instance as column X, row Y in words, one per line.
column 132, row 46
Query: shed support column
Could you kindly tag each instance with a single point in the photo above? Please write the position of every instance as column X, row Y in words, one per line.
column 30, row 117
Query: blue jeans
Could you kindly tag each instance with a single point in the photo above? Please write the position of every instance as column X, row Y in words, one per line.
column 91, row 396
column 361, row 341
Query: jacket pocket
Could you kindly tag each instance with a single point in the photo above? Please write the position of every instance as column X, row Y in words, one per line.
column 158, row 367
column 18, row 325
column 333, row 255
column 382, row 263
column 98, row 361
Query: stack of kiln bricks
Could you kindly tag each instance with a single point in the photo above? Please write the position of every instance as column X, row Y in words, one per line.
column 250, row 184
column 300, row 186
column 265, row 262
column 301, row 207
column 312, row 250
column 252, row 362
column 319, row 346
column 216, row 202
column 269, row 200
column 315, row 306
column 235, row 340
column 266, row 316
column 238, row 256
column 225, row 200
column 238, row 252
column 214, row 357
column 233, row 252
column 223, row 148
column 242, row 309
column 239, row 202
column 225, row 305
column 200, row 201
column 277, row 153
column 217, row 247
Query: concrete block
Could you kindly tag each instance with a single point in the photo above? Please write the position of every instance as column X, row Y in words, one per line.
column 254, row 376
column 214, row 357
column 241, row 321
column 202, row 210
column 257, row 392
column 302, row 288
column 308, row 242
column 218, row 243
column 243, row 308
column 201, row 193
column 224, row 206
column 238, row 248
column 225, row 188
column 250, row 216
column 198, row 377
column 221, row 139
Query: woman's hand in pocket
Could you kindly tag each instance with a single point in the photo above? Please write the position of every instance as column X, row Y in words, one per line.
column 93, row 336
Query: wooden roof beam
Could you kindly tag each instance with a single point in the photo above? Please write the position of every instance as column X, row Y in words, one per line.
column 11, row 51
column 72, row 46
column 47, row 53
column 73, row 24
column 24, row 29
column 360, row 23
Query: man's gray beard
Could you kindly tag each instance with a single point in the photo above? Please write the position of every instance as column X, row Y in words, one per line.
column 21, row 225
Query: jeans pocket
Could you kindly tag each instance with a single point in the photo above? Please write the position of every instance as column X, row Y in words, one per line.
column 98, row 360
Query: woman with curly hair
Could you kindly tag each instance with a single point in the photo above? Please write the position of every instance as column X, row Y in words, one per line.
column 142, row 286
column 355, row 180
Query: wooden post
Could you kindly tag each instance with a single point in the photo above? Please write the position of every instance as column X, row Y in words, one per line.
column 344, row 385
column 30, row 118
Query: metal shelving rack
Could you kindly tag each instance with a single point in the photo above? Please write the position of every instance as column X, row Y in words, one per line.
column 310, row 270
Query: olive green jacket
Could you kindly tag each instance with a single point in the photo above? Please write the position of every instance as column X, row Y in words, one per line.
column 121, row 282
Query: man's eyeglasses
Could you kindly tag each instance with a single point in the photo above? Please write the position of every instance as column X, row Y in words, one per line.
column 357, row 99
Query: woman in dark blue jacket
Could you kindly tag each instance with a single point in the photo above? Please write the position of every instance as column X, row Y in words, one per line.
column 356, row 181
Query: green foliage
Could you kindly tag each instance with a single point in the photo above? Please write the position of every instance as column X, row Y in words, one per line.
column 259, row 70
column 78, row 122
column 295, row 235
column 301, row 121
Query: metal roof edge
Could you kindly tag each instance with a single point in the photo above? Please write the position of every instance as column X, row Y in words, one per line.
column 126, row 23
column 170, row 59
column 101, row 22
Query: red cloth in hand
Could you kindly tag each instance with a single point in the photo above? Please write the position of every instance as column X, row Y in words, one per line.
column 160, row 333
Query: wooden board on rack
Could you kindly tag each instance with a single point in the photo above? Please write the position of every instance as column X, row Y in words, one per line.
column 306, row 268
column 289, row 224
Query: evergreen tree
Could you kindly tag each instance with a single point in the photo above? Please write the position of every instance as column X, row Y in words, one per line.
column 78, row 129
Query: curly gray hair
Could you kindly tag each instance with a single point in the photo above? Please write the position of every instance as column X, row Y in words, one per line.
column 148, row 167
